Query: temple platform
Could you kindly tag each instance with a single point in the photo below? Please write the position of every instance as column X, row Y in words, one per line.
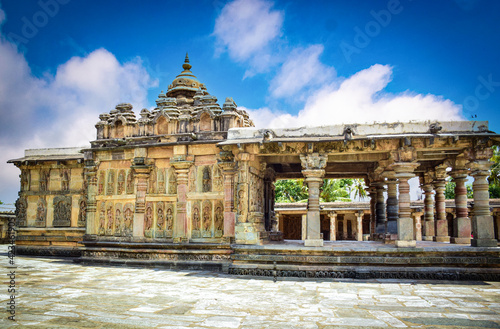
column 367, row 260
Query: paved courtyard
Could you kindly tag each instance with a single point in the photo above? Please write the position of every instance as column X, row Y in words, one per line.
column 53, row 293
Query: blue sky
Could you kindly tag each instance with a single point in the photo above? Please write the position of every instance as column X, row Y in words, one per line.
column 62, row 62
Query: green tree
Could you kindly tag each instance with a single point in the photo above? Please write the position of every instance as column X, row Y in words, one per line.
column 290, row 190
column 335, row 190
column 494, row 178
column 295, row 190
column 449, row 190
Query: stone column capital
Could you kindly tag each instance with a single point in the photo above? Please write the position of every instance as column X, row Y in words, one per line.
column 332, row 215
column 312, row 174
column 313, row 161
column 459, row 174
column 404, row 167
column 480, row 167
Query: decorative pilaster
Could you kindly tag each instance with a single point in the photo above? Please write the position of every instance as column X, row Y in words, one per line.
column 461, row 224
column 404, row 171
column 359, row 218
column 228, row 172
column 392, row 207
column 441, row 221
column 429, row 229
column 482, row 221
column 181, row 229
column 313, row 170
column 333, row 225
column 417, row 224
column 141, row 175
column 373, row 202
column 91, row 176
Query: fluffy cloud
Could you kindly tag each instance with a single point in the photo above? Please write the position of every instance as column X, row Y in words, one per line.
column 301, row 69
column 245, row 28
column 60, row 110
column 360, row 99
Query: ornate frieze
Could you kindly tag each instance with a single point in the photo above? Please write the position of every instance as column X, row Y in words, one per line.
column 62, row 211
column 21, row 207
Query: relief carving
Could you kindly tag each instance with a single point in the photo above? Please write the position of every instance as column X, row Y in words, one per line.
column 161, row 181
column 196, row 220
column 207, row 180
column 172, row 182
column 100, row 186
column 128, row 219
column 118, row 219
column 130, row 182
column 82, row 213
column 160, row 219
column 44, row 180
column 148, row 220
column 121, row 182
column 192, row 179
column 65, row 176
column 313, row 161
column 21, row 207
column 152, row 182
column 219, row 219
column 102, row 218
column 110, row 188
column 207, row 219
column 217, row 179
column 169, row 220
column 62, row 211
column 25, row 180
column 110, row 216
column 41, row 213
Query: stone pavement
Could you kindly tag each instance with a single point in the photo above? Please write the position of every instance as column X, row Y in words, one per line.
column 54, row 293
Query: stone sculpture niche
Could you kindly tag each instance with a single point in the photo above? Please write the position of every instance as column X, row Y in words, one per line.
column 62, row 211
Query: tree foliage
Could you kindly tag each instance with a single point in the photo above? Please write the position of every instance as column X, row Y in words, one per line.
column 449, row 190
column 295, row 190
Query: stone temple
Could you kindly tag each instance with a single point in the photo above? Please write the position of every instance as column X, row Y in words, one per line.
column 190, row 184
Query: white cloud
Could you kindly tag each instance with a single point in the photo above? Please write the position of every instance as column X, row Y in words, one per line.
column 301, row 69
column 360, row 99
column 60, row 110
column 245, row 28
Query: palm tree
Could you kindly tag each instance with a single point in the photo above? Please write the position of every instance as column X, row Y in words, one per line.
column 495, row 169
column 336, row 190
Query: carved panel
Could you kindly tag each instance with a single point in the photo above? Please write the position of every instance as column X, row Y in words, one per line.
column 152, row 182
column 148, row 220
column 128, row 219
column 102, row 218
column 65, row 177
column 169, row 220
column 192, row 179
column 207, row 180
column 161, row 181
column 207, row 219
column 217, row 179
column 62, row 211
column 41, row 213
column 110, row 187
column 82, row 213
column 100, row 184
column 172, row 182
column 121, row 182
column 219, row 219
column 21, row 206
column 25, row 180
column 196, row 220
column 110, row 218
column 256, row 193
column 44, row 180
column 160, row 219
column 130, row 182
column 118, row 219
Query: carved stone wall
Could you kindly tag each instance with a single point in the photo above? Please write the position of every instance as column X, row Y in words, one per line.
column 101, row 182
column 219, row 219
column 128, row 219
column 148, row 220
column 82, row 213
column 41, row 213
column 110, row 186
column 120, row 188
column 207, row 219
column 130, row 182
column 172, row 181
column 62, row 211
column 206, row 180
column 195, row 220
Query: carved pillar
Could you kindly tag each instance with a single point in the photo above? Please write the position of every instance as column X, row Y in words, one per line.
column 429, row 230
column 497, row 221
column 461, row 223
column 228, row 173
column 303, row 233
column 359, row 218
column 404, row 171
column 181, row 229
column 313, row 170
column 482, row 221
column 333, row 225
column 380, row 210
column 417, row 224
column 373, row 202
column 441, row 221
column 141, row 175
column 91, row 176
column 392, row 206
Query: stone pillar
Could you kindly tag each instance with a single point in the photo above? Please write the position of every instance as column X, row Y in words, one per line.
column 181, row 228
column 333, row 225
column 417, row 224
column 404, row 171
column 304, row 228
column 482, row 221
column 461, row 224
column 313, row 170
column 228, row 174
column 441, row 221
column 497, row 219
column 345, row 236
column 429, row 230
column 373, row 201
column 392, row 207
column 359, row 218
column 380, row 229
